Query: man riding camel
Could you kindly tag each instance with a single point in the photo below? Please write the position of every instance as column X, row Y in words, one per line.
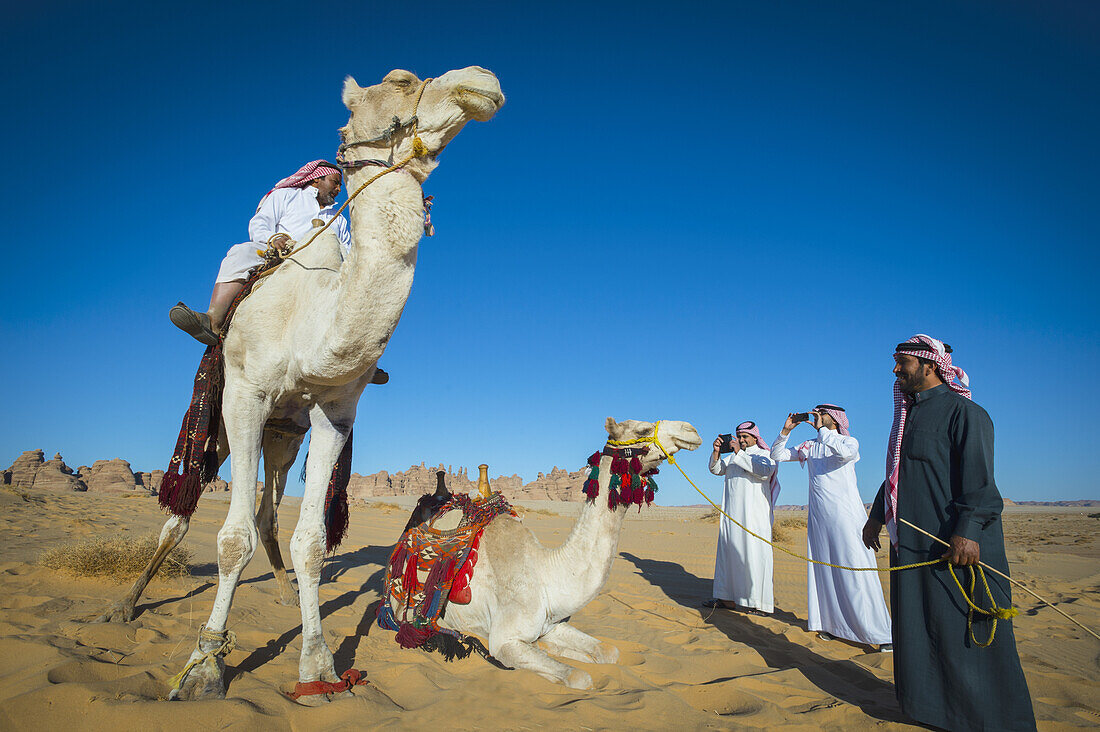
column 288, row 212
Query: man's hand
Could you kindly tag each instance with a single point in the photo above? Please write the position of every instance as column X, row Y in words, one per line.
column 717, row 445
column 963, row 552
column 789, row 425
column 871, row 531
column 278, row 241
column 816, row 417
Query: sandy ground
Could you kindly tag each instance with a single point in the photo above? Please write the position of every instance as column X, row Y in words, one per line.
column 681, row 667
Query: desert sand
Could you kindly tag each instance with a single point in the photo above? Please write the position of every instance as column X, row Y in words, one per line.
column 682, row 667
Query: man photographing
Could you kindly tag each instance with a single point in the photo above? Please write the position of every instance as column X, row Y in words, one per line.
column 743, row 563
column 841, row 603
column 939, row 476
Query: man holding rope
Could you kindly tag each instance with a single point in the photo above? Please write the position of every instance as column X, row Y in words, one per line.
column 939, row 476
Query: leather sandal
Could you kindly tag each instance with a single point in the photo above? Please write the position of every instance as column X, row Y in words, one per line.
column 196, row 325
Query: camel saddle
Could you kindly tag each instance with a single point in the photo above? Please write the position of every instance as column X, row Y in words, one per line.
column 432, row 565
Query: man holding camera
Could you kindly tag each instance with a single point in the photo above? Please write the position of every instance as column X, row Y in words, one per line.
column 743, row 565
column 842, row 603
column 939, row 476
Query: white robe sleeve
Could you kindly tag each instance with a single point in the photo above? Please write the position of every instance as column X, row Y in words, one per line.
column 844, row 448
column 717, row 466
column 756, row 467
column 780, row 452
column 263, row 225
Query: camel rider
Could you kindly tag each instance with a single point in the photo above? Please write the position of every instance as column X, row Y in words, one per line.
column 285, row 215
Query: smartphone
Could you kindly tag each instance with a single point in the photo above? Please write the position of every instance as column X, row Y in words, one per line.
column 727, row 444
column 801, row 417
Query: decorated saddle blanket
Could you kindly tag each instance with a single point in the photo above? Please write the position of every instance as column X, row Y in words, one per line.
column 432, row 565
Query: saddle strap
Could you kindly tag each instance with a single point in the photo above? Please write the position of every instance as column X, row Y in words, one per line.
column 351, row 677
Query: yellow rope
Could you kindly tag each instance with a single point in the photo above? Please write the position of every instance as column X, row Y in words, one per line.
column 995, row 612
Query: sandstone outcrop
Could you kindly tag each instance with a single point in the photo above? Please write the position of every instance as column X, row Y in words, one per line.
column 31, row 470
column 557, row 485
column 111, row 476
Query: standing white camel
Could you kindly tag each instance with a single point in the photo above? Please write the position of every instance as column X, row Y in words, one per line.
column 305, row 343
column 521, row 592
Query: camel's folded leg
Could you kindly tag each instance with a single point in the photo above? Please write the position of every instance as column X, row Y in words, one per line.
column 565, row 640
column 175, row 528
column 518, row 654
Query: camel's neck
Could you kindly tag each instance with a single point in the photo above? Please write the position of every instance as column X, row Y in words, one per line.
column 375, row 279
column 583, row 563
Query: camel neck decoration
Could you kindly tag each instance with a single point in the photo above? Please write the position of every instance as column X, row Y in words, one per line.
column 629, row 485
column 522, row 592
column 304, row 345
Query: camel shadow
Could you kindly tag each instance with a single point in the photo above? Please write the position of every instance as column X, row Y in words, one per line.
column 843, row 680
column 335, row 567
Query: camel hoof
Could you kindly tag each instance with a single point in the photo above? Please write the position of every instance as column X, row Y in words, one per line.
column 578, row 679
column 606, row 653
column 205, row 681
column 289, row 599
column 122, row 612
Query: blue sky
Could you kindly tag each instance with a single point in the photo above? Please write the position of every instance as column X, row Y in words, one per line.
column 709, row 212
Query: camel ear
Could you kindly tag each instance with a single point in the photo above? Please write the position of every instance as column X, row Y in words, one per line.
column 352, row 92
column 612, row 427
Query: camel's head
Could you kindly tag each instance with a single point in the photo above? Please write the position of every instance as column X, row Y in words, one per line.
column 445, row 105
column 673, row 436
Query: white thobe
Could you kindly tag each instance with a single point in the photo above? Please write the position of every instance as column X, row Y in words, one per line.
column 841, row 602
column 289, row 211
column 743, row 564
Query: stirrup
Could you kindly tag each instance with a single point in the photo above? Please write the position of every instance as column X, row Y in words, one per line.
column 196, row 325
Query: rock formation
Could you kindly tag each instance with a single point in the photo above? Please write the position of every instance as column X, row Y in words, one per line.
column 111, row 476
column 557, row 485
column 31, row 470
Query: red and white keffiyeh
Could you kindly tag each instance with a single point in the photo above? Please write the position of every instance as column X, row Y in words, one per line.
column 310, row 171
column 927, row 347
column 750, row 428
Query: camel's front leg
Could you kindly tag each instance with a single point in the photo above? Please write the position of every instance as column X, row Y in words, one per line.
column 244, row 417
column 565, row 640
column 279, row 449
column 331, row 426
column 519, row 654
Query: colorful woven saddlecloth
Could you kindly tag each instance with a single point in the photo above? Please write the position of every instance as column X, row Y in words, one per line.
column 423, row 569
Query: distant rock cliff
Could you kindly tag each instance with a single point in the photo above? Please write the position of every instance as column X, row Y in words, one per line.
column 557, row 485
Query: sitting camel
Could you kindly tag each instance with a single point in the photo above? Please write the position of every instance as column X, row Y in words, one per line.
column 521, row 592
column 304, row 343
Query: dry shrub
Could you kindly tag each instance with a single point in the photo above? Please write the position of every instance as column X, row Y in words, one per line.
column 787, row 529
column 119, row 558
column 521, row 511
column 387, row 507
column 711, row 516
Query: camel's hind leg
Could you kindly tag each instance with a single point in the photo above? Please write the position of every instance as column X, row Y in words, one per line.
column 565, row 640
column 175, row 528
column 280, row 450
column 518, row 654
column 244, row 415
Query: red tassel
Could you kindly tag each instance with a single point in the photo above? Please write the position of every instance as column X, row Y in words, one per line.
column 409, row 584
column 397, row 561
column 180, row 493
column 649, row 496
column 594, row 459
column 639, row 495
column 635, row 465
column 591, row 488
column 410, row 637
column 613, row 499
column 626, row 484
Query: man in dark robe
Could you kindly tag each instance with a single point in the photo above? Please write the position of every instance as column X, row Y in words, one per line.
column 940, row 477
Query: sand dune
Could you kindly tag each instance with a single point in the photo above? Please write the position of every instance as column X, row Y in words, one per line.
column 681, row 667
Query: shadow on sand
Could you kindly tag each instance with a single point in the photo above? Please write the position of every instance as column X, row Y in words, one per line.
column 335, row 567
column 844, row 680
